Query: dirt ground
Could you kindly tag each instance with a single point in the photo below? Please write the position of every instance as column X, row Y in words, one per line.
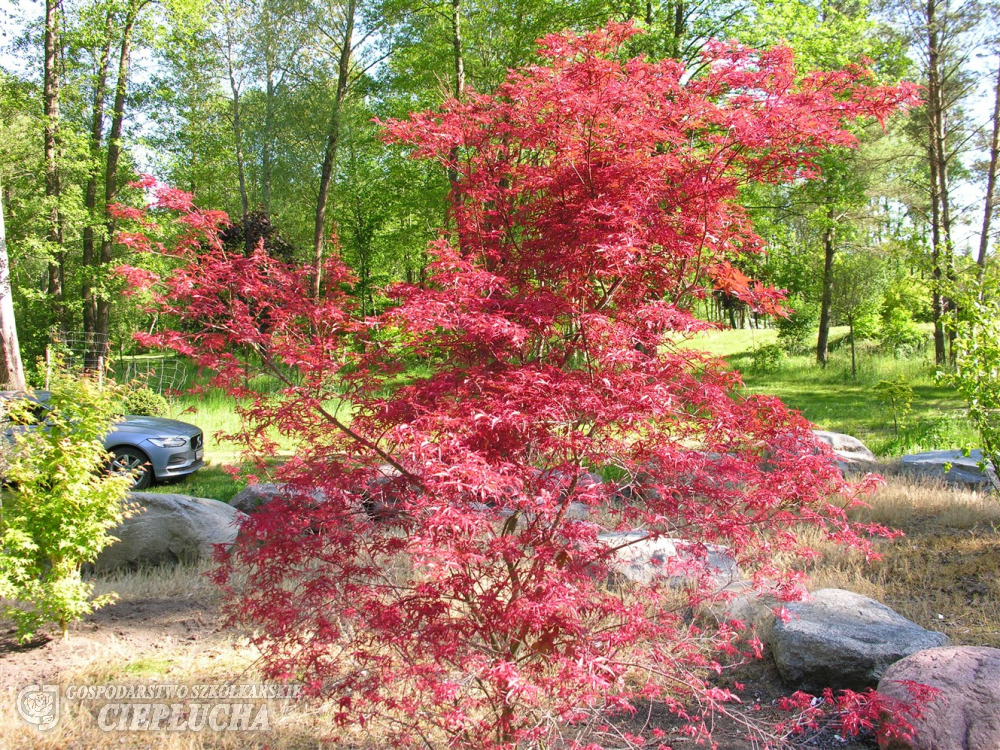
column 119, row 632
column 142, row 640
column 143, row 636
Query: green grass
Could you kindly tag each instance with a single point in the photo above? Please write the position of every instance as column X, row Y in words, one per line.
column 211, row 481
column 829, row 397
column 834, row 400
column 215, row 413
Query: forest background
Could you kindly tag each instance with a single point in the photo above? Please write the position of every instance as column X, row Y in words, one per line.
column 269, row 110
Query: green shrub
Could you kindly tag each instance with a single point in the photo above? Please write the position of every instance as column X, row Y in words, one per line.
column 797, row 329
column 977, row 368
column 143, row 401
column 900, row 335
column 768, row 358
column 59, row 507
column 867, row 326
column 897, row 394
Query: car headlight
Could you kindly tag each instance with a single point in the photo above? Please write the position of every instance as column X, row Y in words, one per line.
column 169, row 442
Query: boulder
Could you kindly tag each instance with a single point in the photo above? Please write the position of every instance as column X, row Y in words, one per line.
column 168, row 529
column 838, row 639
column 641, row 558
column 253, row 496
column 851, row 453
column 964, row 471
column 965, row 714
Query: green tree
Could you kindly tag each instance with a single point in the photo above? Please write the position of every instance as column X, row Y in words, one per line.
column 858, row 283
column 977, row 364
column 60, row 506
column 897, row 394
column 836, row 211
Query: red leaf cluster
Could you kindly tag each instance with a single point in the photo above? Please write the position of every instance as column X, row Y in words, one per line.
column 440, row 559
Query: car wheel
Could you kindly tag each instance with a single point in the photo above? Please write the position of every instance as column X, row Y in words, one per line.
column 134, row 462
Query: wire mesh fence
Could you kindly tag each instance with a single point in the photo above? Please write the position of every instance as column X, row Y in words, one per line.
column 89, row 352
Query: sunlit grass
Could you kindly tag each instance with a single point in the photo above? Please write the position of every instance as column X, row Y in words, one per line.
column 835, row 400
column 216, row 413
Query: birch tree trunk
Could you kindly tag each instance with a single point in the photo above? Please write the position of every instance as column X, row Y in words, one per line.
column 10, row 352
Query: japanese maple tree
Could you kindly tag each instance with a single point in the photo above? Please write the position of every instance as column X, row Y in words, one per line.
column 439, row 559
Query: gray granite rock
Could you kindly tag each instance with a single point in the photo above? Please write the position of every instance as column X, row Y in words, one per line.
column 168, row 529
column 839, row 639
column 641, row 558
column 852, row 455
column 963, row 472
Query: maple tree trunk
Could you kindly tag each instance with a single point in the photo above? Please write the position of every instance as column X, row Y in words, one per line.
column 102, row 318
column 90, row 195
column 829, row 252
column 330, row 155
column 991, row 180
column 53, row 180
column 10, row 352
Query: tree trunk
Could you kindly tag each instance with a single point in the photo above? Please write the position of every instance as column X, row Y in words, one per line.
column 90, row 196
column 330, row 156
column 829, row 252
column 854, row 368
column 53, row 180
column 266, row 166
column 991, row 181
column 103, row 307
column 10, row 352
column 237, row 130
column 939, row 224
column 457, row 44
column 459, row 92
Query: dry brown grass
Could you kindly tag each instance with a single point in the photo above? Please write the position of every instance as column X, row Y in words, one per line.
column 944, row 574
column 180, row 582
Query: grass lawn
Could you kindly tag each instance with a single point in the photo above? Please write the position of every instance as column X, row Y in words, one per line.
column 215, row 413
column 833, row 400
column 828, row 397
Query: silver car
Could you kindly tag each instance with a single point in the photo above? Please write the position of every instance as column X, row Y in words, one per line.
column 151, row 449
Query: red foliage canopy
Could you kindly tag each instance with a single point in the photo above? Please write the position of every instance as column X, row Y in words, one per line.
column 441, row 559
